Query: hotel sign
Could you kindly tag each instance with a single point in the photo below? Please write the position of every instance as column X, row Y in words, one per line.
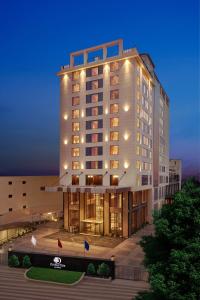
column 57, row 263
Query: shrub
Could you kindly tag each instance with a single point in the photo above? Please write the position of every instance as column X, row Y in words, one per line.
column 91, row 269
column 13, row 261
column 103, row 270
column 26, row 263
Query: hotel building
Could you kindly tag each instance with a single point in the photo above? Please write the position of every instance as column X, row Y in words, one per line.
column 114, row 140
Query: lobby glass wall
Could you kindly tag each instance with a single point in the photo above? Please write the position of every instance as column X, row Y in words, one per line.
column 93, row 214
column 74, row 212
column 139, row 210
column 115, row 203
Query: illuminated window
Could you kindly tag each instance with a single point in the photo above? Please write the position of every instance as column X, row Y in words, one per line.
column 114, row 135
column 94, row 164
column 138, row 137
column 75, row 101
column 138, row 123
column 75, row 126
column 114, row 179
column 75, row 113
column 94, row 124
column 75, row 139
column 137, row 150
column 76, row 87
column 75, row 152
column 95, row 137
column 94, row 84
column 75, row 165
column 114, row 80
column 138, row 164
column 94, row 98
column 114, row 108
column 76, row 75
column 114, row 164
column 114, row 66
column 94, row 111
column 94, row 71
column 75, row 179
column 114, row 122
column 114, row 150
column 138, row 80
column 114, row 94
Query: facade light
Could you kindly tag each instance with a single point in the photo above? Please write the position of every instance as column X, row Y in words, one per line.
column 65, row 142
column 65, row 116
column 106, row 138
column 126, row 108
column 126, row 136
column 65, row 166
column 126, row 165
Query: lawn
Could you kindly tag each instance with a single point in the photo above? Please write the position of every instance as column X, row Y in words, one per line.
column 61, row 276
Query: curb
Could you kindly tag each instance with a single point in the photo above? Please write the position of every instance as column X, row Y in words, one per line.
column 53, row 282
column 98, row 278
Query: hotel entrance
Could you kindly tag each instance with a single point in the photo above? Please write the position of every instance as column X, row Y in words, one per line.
column 92, row 223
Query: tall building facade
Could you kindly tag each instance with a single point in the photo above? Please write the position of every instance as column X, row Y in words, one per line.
column 114, row 140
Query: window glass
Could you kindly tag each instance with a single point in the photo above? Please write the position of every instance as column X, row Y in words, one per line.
column 75, row 139
column 76, row 75
column 114, row 136
column 95, row 111
column 114, row 80
column 75, row 101
column 94, row 84
column 75, row 113
column 75, row 152
column 75, row 126
column 75, row 165
column 114, row 108
column 114, row 164
column 94, row 71
column 114, row 179
column 114, row 94
column 76, row 87
column 75, row 179
column 114, row 150
column 114, row 66
column 114, row 122
column 94, row 98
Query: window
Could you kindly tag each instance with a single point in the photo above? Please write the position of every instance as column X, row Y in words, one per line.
column 114, row 179
column 10, row 209
column 144, row 179
column 114, row 164
column 23, row 182
column 114, row 150
column 9, row 196
column 94, row 137
column 24, row 206
column 94, row 179
column 114, row 66
column 75, row 179
column 75, row 113
column 94, row 98
column 138, row 164
column 76, row 87
column 114, row 135
column 94, row 164
column 94, row 71
column 75, row 101
column 114, row 80
column 114, row 94
column 75, row 152
column 114, row 108
column 75, row 165
column 75, row 126
column 75, row 139
column 75, row 75
column 114, row 122
column 94, row 151
column 10, row 182
column 94, row 84
column 138, row 123
column 137, row 150
column 94, row 124
column 94, row 111
column 24, row 194
column 138, row 137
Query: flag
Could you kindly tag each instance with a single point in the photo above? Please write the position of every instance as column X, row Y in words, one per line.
column 86, row 246
column 33, row 241
column 59, row 244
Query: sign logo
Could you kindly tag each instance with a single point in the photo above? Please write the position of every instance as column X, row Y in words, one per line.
column 57, row 260
column 57, row 263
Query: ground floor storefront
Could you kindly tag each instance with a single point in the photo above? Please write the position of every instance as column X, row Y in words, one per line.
column 111, row 213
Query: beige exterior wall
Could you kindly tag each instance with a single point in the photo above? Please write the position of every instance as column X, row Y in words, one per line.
column 27, row 195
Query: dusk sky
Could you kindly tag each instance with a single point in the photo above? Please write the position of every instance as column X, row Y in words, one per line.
column 36, row 38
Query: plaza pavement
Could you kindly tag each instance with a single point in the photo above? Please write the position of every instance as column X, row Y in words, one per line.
column 127, row 253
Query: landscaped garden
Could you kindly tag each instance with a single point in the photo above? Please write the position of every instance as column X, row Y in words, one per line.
column 59, row 276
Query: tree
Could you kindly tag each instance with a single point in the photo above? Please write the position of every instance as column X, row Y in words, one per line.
column 91, row 269
column 26, row 263
column 103, row 270
column 13, row 261
column 172, row 255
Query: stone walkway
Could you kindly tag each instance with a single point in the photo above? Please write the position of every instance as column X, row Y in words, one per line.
column 13, row 286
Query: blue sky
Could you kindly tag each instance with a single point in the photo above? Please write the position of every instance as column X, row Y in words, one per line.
column 36, row 38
